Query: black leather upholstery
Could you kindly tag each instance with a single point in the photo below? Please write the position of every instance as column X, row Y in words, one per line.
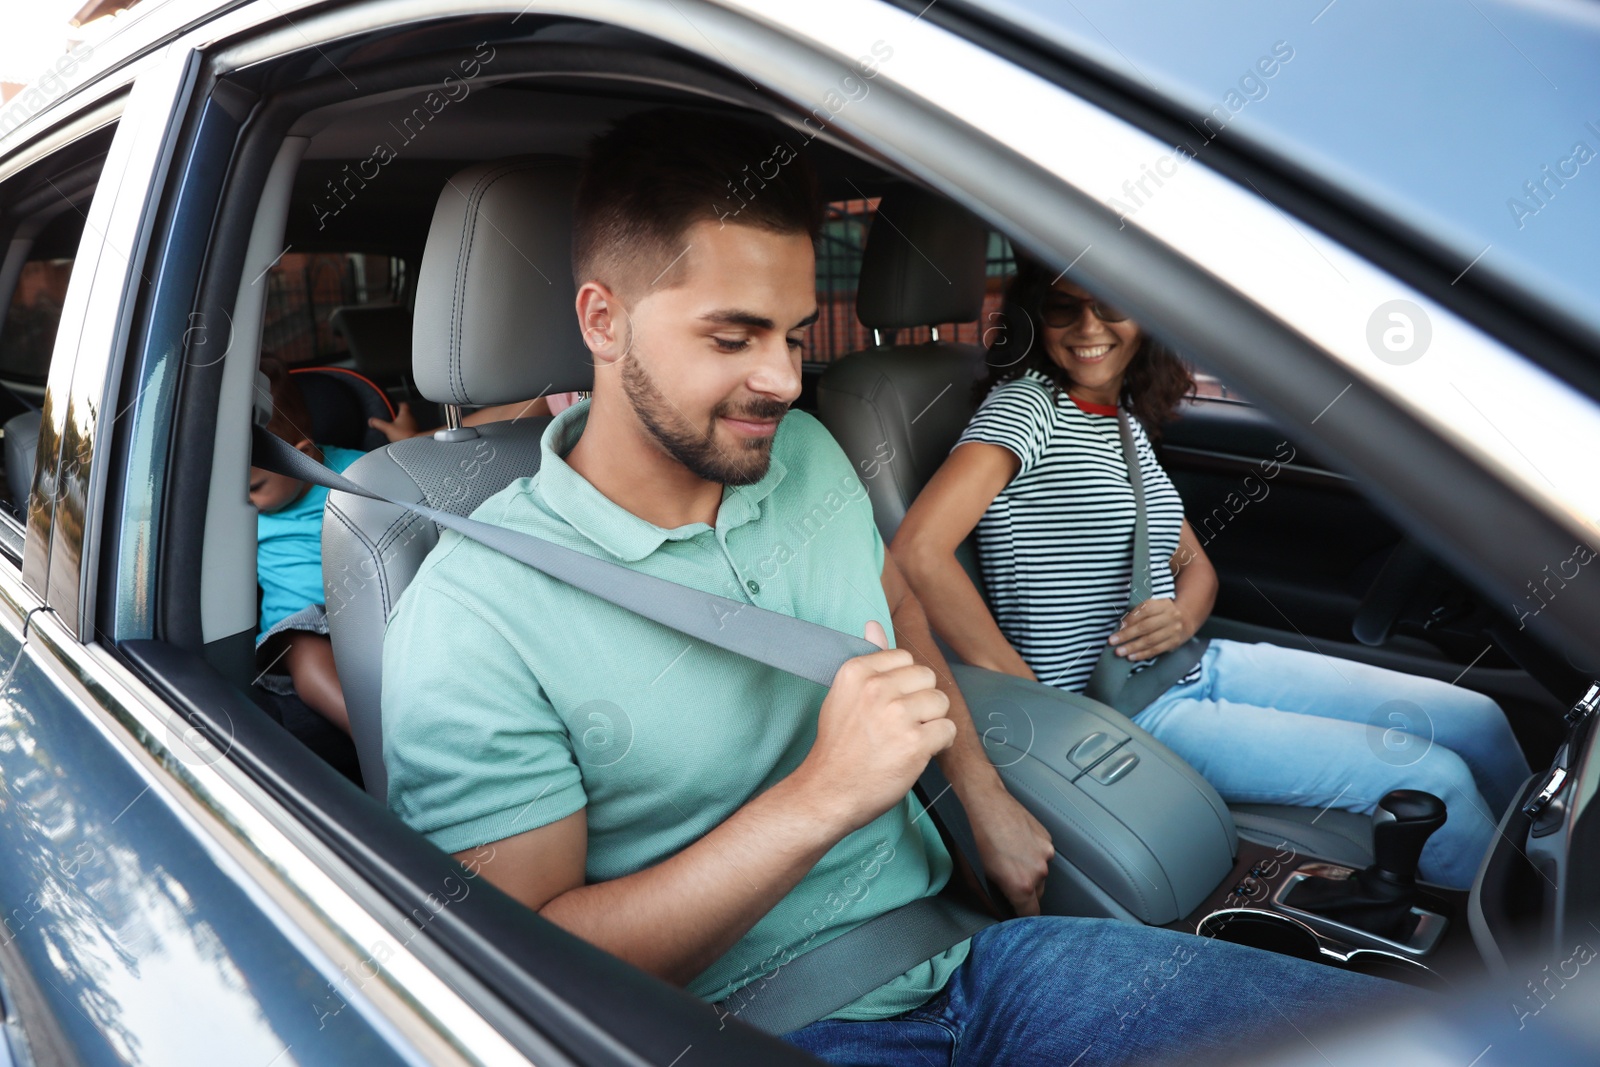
column 897, row 411
column 906, row 270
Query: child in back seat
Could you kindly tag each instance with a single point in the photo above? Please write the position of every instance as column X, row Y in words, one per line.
column 293, row 651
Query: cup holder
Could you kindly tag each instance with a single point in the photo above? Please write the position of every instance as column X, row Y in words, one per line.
column 1273, row 932
column 1264, row 930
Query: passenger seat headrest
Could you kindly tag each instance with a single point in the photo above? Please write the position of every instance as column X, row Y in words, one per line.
column 924, row 263
column 495, row 319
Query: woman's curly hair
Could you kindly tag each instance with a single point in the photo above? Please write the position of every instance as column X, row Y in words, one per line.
column 1154, row 383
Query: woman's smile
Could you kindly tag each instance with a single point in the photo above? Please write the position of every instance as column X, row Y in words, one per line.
column 1091, row 353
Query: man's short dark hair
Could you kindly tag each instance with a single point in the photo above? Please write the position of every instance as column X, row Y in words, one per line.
column 656, row 173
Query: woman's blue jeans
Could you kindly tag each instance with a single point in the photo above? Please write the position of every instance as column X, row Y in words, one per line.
column 1055, row 991
column 1271, row 725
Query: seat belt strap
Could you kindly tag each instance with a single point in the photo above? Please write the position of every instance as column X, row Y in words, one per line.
column 801, row 648
column 813, row 985
column 1114, row 681
column 794, row 645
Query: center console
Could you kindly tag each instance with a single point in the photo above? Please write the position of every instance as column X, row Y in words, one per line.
column 1140, row 836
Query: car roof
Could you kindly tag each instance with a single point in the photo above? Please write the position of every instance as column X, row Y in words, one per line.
column 1432, row 114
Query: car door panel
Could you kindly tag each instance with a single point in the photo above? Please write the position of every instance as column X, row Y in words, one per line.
column 1294, row 544
column 1298, row 549
column 145, row 945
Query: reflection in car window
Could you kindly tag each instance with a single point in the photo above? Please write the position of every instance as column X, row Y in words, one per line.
column 48, row 239
column 31, row 322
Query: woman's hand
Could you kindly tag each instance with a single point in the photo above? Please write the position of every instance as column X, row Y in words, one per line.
column 1156, row 626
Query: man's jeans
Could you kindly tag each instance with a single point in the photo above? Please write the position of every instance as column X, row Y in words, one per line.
column 1271, row 725
column 1055, row 991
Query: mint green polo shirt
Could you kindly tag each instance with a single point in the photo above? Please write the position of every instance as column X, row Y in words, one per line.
column 511, row 700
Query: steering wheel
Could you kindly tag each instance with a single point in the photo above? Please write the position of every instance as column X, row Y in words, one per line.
column 1399, row 580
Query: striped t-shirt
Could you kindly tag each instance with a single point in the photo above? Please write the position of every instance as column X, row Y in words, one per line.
column 1056, row 546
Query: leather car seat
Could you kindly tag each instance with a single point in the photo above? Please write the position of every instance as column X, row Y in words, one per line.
column 897, row 411
column 494, row 324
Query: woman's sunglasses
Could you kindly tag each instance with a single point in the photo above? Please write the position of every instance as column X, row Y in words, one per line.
column 1058, row 310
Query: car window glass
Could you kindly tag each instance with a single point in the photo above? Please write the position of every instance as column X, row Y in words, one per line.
column 1209, row 387
column 42, row 223
column 305, row 289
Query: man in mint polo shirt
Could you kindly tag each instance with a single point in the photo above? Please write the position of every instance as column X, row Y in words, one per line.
column 700, row 815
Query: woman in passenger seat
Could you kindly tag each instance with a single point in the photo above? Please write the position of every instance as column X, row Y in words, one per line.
column 1041, row 475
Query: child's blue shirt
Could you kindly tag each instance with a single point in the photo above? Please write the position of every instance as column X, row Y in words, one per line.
column 289, row 548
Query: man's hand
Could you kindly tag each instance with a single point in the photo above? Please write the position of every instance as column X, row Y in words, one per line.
column 1156, row 626
column 1014, row 847
column 880, row 723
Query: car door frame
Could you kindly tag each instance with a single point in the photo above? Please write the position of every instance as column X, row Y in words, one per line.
column 299, row 891
column 915, row 113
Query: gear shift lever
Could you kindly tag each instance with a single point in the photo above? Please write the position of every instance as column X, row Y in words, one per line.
column 1401, row 826
column 1378, row 899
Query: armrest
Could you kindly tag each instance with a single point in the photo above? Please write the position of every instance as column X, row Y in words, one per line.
column 1138, row 833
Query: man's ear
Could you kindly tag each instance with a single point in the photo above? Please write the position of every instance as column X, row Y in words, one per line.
column 602, row 320
column 305, row 445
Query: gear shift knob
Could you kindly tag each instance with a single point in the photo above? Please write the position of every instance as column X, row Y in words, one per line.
column 1379, row 899
column 1401, row 826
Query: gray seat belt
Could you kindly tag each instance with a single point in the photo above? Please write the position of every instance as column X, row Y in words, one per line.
column 807, row 988
column 1114, row 681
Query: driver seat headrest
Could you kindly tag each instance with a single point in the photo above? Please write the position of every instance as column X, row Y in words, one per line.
column 495, row 317
column 924, row 263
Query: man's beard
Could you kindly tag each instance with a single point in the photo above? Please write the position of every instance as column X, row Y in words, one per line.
column 740, row 464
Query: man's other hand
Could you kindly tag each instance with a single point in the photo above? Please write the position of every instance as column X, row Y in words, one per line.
column 1014, row 846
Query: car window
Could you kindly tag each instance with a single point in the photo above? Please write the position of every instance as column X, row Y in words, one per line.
column 838, row 332
column 48, row 203
column 305, row 289
column 1209, row 387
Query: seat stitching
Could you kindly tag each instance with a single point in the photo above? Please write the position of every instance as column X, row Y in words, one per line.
column 381, row 575
column 464, row 254
column 458, row 291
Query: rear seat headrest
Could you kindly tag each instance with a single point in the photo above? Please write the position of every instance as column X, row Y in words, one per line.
column 924, row 263
column 495, row 319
